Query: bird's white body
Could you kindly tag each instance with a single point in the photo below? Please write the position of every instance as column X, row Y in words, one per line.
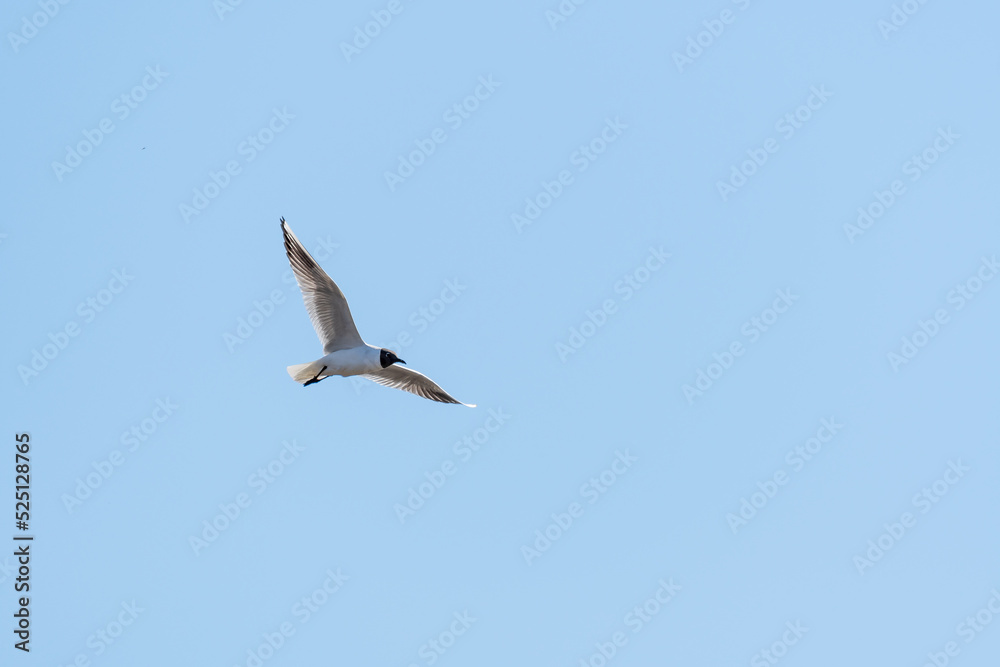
column 352, row 361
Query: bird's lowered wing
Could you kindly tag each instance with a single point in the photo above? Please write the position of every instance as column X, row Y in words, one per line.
column 326, row 304
column 403, row 378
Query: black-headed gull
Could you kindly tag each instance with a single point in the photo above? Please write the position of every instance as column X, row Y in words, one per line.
column 346, row 354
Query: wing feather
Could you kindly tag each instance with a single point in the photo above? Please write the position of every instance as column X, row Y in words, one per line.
column 325, row 303
column 400, row 377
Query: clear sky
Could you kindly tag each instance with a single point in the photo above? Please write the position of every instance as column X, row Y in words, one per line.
column 721, row 277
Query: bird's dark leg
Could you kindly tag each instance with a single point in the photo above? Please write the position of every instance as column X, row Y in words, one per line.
column 317, row 378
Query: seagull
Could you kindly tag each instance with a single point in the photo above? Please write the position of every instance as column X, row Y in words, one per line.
column 345, row 353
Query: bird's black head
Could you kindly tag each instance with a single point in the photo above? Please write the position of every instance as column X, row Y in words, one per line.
column 388, row 358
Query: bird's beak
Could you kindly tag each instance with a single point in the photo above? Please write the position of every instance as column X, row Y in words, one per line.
column 400, row 361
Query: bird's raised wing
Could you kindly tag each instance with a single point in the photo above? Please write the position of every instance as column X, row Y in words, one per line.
column 400, row 377
column 326, row 304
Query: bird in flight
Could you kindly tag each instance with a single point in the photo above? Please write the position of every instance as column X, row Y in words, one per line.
column 345, row 353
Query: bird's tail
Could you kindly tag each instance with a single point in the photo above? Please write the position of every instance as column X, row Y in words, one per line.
column 302, row 373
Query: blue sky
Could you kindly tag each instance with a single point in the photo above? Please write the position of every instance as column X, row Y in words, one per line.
column 719, row 276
